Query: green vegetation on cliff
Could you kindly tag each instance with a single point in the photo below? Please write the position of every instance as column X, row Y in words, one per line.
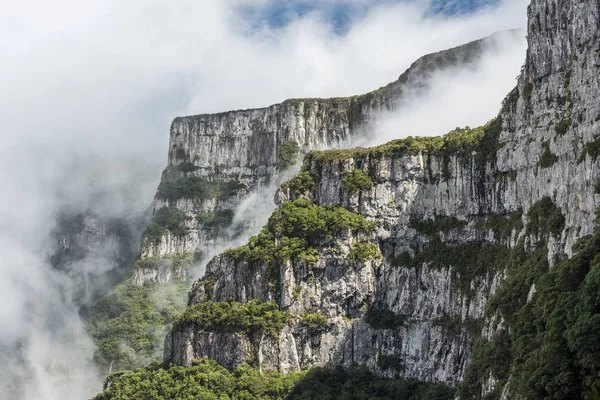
column 314, row 320
column 129, row 324
column 175, row 260
column 166, row 219
column 363, row 251
column 195, row 187
column 248, row 318
column 591, row 149
column 297, row 229
column 547, row 158
column 527, row 90
column 503, row 224
column 390, row 362
column 383, row 318
column 550, row 346
column 468, row 261
column 289, row 154
column 563, row 126
column 356, row 180
column 433, row 226
column 460, row 142
column 302, row 183
column 217, row 221
column 207, row 380
column 187, row 166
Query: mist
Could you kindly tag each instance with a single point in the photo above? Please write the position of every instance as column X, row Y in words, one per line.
column 89, row 90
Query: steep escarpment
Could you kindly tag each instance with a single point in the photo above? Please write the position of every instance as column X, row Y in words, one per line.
column 218, row 189
column 217, row 161
column 469, row 259
column 464, row 258
column 377, row 256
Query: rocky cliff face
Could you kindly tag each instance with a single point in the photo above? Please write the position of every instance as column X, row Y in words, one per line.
column 377, row 305
column 418, row 232
column 217, row 161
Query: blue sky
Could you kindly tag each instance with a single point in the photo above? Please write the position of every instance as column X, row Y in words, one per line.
column 341, row 13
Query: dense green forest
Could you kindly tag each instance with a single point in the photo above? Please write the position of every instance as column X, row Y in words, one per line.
column 207, row 380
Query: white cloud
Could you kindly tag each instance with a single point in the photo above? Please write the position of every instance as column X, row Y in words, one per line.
column 88, row 92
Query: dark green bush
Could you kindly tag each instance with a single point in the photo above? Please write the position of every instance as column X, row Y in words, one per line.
column 402, row 260
column 383, row 318
column 289, row 154
column 441, row 223
column 154, row 233
column 180, row 153
column 549, row 344
column 359, row 383
column 300, row 227
column 166, row 219
column 250, row 317
column 149, row 263
column 218, row 221
column 171, row 260
column 390, row 362
column 128, row 325
column 563, row 126
column 592, row 149
column 527, row 90
column 314, row 320
column 302, row 183
column 187, row 166
column 195, row 187
column 363, row 251
column 468, row 260
column 544, row 217
column 207, row 380
column 503, row 224
column 356, row 180
column 547, row 158
column 567, row 80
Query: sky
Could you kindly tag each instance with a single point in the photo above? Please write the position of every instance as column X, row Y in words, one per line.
column 340, row 15
column 89, row 88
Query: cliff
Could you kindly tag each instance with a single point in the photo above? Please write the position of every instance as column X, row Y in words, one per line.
column 370, row 285
column 421, row 256
column 218, row 161
column 469, row 259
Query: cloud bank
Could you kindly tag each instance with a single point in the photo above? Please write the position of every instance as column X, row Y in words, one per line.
column 89, row 90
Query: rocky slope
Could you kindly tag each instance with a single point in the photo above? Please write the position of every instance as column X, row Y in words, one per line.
column 217, row 161
column 424, row 240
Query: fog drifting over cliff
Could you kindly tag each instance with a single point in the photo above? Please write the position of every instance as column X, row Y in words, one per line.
column 89, row 89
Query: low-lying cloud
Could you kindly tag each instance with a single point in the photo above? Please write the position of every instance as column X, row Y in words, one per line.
column 88, row 92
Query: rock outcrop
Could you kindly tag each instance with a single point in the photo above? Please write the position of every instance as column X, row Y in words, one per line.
column 218, row 161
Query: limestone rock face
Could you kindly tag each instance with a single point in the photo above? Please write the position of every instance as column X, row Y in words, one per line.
column 434, row 303
column 544, row 145
column 247, row 146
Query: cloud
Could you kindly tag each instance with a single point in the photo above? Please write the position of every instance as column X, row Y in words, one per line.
column 89, row 89
column 458, row 97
